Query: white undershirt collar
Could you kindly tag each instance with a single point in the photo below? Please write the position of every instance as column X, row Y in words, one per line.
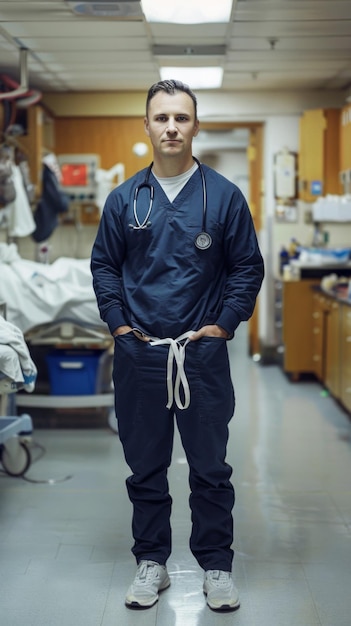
column 172, row 185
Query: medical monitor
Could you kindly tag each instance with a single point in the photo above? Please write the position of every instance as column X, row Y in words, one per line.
column 78, row 173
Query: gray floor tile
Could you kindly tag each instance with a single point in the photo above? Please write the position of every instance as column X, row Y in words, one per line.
column 330, row 588
column 65, row 541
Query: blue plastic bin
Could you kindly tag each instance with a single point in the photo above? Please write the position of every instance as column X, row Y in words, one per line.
column 73, row 372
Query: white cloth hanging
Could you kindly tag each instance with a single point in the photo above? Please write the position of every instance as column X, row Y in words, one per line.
column 20, row 215
column 105, row 184
column 51, row 161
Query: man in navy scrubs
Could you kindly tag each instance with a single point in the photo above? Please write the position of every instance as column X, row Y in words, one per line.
column 176, row 267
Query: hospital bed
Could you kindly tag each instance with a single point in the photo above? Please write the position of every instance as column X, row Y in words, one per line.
column 15, row 431
column 38, row 293
column 55, row 307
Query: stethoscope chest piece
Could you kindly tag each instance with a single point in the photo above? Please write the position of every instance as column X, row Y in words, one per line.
column 203, row 241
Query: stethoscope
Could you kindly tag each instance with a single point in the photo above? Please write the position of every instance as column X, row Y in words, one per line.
column 203, row 240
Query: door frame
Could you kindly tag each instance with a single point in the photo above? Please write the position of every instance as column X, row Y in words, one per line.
column 255, row 201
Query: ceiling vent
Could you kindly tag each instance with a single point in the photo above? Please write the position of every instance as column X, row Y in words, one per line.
column 197, row 50
column 122, row 9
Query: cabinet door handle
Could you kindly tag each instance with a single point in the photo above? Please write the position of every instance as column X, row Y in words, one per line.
column 316, row 331
column 315, row 315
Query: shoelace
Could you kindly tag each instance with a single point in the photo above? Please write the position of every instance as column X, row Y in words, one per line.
column 219, row 578
column 176, row 353
column 146, row 571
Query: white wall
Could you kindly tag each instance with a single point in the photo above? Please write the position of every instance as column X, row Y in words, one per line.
column 259, row 106
column 280, row 132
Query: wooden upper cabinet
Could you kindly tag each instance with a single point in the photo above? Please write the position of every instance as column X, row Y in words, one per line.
column 319, row 154
column 345, row 139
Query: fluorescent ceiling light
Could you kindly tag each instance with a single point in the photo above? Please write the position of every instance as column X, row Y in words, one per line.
column 195, row 77
column 124, row 10
column 187, row 11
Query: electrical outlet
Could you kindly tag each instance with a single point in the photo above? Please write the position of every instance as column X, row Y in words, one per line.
column 308, row 217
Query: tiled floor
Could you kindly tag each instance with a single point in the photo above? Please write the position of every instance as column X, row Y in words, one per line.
column 65, row 545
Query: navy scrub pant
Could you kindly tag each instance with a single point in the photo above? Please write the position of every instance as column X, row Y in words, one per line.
column 146, row 429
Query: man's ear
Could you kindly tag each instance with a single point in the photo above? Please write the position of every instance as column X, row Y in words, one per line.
column 146, row 126
column 196, row 128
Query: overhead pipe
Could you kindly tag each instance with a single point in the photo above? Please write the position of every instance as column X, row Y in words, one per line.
column 32, row 98
column 21, row 89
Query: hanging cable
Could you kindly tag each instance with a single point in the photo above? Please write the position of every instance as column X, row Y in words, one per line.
column 46, row 481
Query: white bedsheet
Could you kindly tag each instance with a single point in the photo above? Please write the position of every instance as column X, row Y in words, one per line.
column 36, row 293
column 15, row 360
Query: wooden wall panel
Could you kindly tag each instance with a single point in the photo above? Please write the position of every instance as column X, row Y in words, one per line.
column 111, row 138
column 33, row 144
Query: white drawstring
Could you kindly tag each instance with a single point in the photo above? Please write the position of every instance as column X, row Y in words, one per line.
column 176, row 352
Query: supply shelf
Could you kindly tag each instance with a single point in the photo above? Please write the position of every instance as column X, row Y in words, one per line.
column 62, row 388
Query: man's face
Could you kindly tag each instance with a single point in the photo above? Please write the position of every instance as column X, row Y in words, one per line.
column 171, row 123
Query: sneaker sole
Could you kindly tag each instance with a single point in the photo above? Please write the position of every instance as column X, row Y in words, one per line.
column 137, row 606
column 224, row 608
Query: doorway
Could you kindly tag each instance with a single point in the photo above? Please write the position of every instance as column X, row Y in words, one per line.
column 236, row 151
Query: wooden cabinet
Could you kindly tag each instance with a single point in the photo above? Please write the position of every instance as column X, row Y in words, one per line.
column 345, row 356
column 319, row 154
column 326, row 341
column 317, row 337
column 297, row 327
column 319, row 312
column 332, row 370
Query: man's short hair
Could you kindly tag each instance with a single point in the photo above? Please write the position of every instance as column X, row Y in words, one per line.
column 171, row 87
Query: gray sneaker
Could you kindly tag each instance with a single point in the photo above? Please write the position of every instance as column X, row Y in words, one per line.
column 222, row 595
column 149, row 580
